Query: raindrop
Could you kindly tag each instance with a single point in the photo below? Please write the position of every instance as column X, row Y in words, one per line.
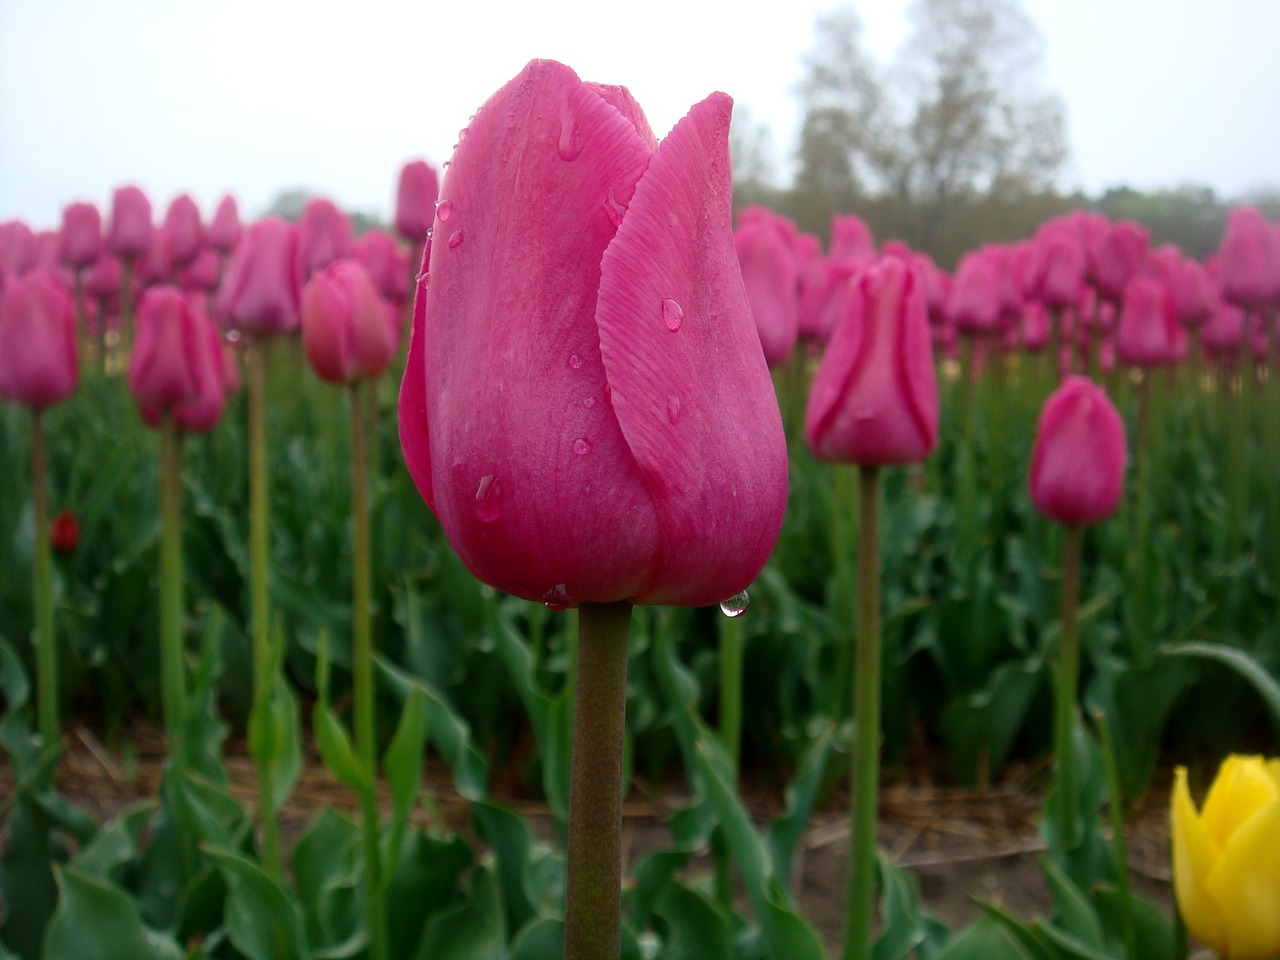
column 575, row 361
column 455, row 240
column 443, row 209
column 557, row 597
column 673, row 409
column 581, row 447
column 462, row 134
column 420, row 278
column 614, row 209
column 672, row 314
column 430, row 232
column 736, row 605
column 570, row 145
column 588, row 402
column 488, row 499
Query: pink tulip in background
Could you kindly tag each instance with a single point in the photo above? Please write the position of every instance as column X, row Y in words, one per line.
column 416, row 195
column 1249, row 260
column 1058, row 274
column 1078, row 461
column 129, row 231
column 224, row 228
column 344, row 327
column 324, row 235
column 37, row 341
column 80, row 240
column 262, row 288
column 770, row 274
column 162, row 372
column 974, row 302
column 1149, row 333
column 590, row 416
column 1119, row 256
column 186, row 232
column 874, row 399
column 851, row 239
column 384, row 262
column 18, row 250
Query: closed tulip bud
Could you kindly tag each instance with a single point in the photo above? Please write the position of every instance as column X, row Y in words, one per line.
column 324, row 235
column 1149, row 333
column 80, row 240
column 162, row 372
column 203, row 273
column 1035, row 327
column 1224, row 333
column 1120, row 256
column 769, row 274
column 157, row 266
column 851, row 239
column 1077, row 463
column 129, row 232
column 590, row 415
column 344, row 327
column 874, row 399
column 224, row 228
column 974, row 303
column 385, row 263
column 18, row 250
column 262, row 287
column 1226, row 859
column 1249, row 260
column 102, row 280
column 186, row 232
column 416, row 201
column 1059, row 275
column 216, row 374
column 37, row 341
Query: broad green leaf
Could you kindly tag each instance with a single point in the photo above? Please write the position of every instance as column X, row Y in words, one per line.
column 986, row 940
column 99, row 921
column 699, row 927
column 427, row 880
column 264, row 920
column 1239, row 661
column 1154, row 931
column 472, row 930
column 981, row 728
column 335, row 749
column 327, row 874
column 787, row 831
column 1074, row 914
column 403, row 766
column 507, row 835
column 116, row 843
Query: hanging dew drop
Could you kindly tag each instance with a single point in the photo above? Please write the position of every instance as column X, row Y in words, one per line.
column 672, row 314
column 736, row 605
column 455, row 240
column 443, row 209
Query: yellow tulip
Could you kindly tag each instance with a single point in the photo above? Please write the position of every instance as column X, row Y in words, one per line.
column 1226, row 859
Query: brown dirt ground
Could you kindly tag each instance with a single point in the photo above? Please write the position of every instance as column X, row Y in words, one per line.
column 960, row 843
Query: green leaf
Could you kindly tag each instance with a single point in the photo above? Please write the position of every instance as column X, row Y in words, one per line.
column 403, row 766
column 98, row 921
column 334, row 746
column 328, row 879
column 1154, row 931
column 428, row 875
column 699, row 927
column 905, row 926
column 507, row 835
column 981, row 728
column 264, row 919
column 541, row 940
column 988, row 939
column 1074, row 913
column 787, row 831
column 115, row 845
column 472, row 930
column 1239, row 661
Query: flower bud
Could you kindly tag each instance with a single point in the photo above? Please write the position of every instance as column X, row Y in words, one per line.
column 37, row 341
column 186, row 232
column 324, row 235
column 1077, row 463
column 344, row 326
column 224, row 228
column 80, row 241
column 262, row 288
column 129, row 232
column 416, row 201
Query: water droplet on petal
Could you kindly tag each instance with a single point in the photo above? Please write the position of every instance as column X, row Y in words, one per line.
column 673, row 409
column 455, row 240
column 557, row 598
column 672, row 314
column 736, row 605
column 443, row 209
column 575, row 361
column 581, row 447
column 588, row 402
column 420, row 278
column 570, row 145
column 614, row 209
column 462, row 134
column 488, row 499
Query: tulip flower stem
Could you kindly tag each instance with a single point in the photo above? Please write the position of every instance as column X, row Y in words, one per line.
column 593, row 893
column 46, row 650
column 968, row 534
column 126, row 308
column 365, row 693
column 866, row 742
column 264, row 658
column 1140, row 641
column 1068, row 671
column 843, row 534
column 173, row 683
column 1119, row 848
column 731, row 686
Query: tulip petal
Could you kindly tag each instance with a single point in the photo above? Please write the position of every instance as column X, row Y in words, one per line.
column 687, row 376
column 1194, row 855
column 1242, row 786
column 411, row 409
column 532, row 480
column 1245, row 883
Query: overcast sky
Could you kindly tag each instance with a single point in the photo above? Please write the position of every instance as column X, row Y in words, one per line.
column 256, row 96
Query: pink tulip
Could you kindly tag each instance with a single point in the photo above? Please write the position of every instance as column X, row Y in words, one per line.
column 385, row 263
column 129, row 232
column 203, row 273
column 1195, row 293
column 102, row 281
column 1077, row 463
column 874, row 399
column 37, row 341
column 324, row 235
column 18, row 250
column 590, row 415
column 162, row 372
column 975, row 302
column 1059, row 274
column 80, row 241
column 262, row 287
column 770, row 275
column 1149, row 333
column 1249, row 260
column 186, row 232
column 1120, row 256
column 344, row 328
column 1035, row 327
column 851, row 239
column 224, row 228
column 157, row 267
column 416, row 201
column 1224, row 333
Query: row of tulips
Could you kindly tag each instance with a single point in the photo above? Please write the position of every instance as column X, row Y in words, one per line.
column 591, row 419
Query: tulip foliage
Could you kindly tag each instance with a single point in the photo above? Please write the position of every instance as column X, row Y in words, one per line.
column 589, row 407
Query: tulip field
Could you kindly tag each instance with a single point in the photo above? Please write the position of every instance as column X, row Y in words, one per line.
column 622, row 497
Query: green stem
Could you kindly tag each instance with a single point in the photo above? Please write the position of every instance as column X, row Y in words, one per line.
column 968, row 535
column 46, row 650
column 172, row 683
column 866, row 743
column 264, row 659
column 843, row 532
column 365, row 693
column 1068, row 673
column 126, row 310
column 593, row 890
column 731, row 642
column 1119, row 848
column 1140, row 642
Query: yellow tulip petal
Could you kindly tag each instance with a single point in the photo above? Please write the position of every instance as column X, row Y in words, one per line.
column 1273, row 770
column 1242, row 786
column 1245, row 883
column 1194, row 854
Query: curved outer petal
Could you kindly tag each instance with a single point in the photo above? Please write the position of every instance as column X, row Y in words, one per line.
column 1245, row 883
column 201, row 414
column 1077, row 463
column 411, row 407
column 1194, row 855
column 874, row 399
column 529, row 473
column 162, row 367
column 689, row 383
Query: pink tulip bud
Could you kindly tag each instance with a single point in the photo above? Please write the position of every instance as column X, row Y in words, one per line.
column 1224, row 333
column 1249, row 260
column 974, row 303
column 262, row 288
column 324, row 235
column 1059, row 273
column 215, row 373
column 103, row 280
column 344, row 328
column 1035, row 327
column 770, row 276
column 186, row 232
column 162, row 372
column 590, row 415
column 416, row 201
column 80, row 241
column 874, row 399
column 385, row 263
column 37, row 341
column 18, row 250
column 1194, row 292
column 851, row 239
column 1078, row 461
column 1120, row 256
column 203, row 273
column 157, row 266
column 224, row 228
column 1149, row 333
column 810, row 286
column 129, row 232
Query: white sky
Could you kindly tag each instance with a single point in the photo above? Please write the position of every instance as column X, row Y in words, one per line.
column 255, row 96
